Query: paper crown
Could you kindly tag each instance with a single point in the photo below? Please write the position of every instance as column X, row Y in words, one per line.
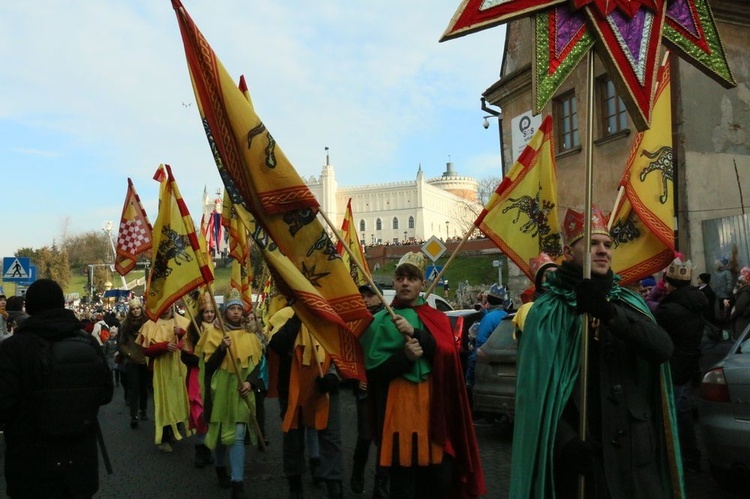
column 541, row 262
column 573, row 225
column 414, row 259
column 204, row 300
column 233, row 297
column 679, row 270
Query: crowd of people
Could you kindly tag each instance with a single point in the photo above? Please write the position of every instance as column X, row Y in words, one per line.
column 208, row 374
column 206, row 378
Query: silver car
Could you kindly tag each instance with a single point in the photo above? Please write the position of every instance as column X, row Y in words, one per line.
column 724, row 413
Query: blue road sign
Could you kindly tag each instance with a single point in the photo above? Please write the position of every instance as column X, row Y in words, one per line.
column 431, row 272
column 31, row 279
column 16, row 268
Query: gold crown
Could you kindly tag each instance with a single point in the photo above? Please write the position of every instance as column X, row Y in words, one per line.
column 414, row 259
column 573, row 225
column 233, row 297
column 679, row 270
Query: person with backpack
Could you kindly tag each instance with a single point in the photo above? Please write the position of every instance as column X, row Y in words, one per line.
column 53, row 379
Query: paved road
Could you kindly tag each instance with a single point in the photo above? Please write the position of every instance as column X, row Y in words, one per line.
column 142, row 472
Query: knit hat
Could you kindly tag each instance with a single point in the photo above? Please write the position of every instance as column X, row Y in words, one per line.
column 648, row 282
column 412, row 263
column 233, row 297
column 679, row 273
column 744, row 277
column 44, row 294
column 573, row 225
column 366, row 288
column 135, row 302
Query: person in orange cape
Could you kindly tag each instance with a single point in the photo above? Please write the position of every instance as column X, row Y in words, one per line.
column 308, row 389
column 423, row 423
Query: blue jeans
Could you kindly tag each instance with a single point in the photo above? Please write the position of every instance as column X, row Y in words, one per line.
column 236, row 453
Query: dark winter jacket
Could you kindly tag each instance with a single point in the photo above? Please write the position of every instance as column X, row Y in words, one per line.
column 131, row 351
column 681, row 314
column 740, row 317
column 710, row 312
column 38, row 466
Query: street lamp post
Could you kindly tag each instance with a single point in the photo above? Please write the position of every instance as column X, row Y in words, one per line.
column 447, row 232
column 499, row 265
column 405, row 236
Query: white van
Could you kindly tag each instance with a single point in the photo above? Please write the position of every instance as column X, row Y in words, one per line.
column 435, row 301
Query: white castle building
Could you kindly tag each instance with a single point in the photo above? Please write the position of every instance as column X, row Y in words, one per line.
column 395, row 212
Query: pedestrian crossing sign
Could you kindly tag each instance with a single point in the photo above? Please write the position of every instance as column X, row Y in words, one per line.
column 16, row 268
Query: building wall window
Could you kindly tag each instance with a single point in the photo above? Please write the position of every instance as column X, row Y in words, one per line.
column 378, row 224
column 395, row 222
column 613, row 116
column 362, row 226
column 567, row 122
column 411, row 222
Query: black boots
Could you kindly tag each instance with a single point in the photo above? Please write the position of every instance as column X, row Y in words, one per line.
column 295, row 487
column 361, row 451
column 335, row 491
column 357, row 482
column 380, row 488
column 238, row 490
column 202, row 456
column 224, row 481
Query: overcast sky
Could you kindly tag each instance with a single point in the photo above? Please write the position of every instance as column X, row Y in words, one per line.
column 94, row 92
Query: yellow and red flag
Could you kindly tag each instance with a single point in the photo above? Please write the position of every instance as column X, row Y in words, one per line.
column 358, row 267
column 521, row 216
column 239, row 250
column 178, row 264
column 259, row 176
column 135, row 235
column 642, row 224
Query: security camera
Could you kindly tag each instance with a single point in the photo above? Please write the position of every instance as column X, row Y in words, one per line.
column 486, row 124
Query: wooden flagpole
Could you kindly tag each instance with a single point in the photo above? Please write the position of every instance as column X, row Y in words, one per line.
column 368, row 277
column 584, row 361
column 433, row 285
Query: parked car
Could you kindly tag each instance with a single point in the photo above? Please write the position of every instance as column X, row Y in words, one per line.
column 724, row 413
column 494, row 391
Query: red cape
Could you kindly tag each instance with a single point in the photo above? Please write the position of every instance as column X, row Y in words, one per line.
column 450, row 414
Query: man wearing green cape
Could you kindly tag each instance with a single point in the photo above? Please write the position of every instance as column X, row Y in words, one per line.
column 630, row 449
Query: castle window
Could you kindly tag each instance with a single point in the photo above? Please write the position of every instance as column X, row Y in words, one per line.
column 395, row 223
column 378, row 224
column 362, row 226
column 411, row 222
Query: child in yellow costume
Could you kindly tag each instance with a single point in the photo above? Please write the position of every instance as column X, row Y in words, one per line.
column 162, row 342
column 225, row 409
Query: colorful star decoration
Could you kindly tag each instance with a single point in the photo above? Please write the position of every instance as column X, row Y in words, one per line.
column 626, row 34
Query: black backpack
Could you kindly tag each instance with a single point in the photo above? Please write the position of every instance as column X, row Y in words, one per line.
column 74, row 376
